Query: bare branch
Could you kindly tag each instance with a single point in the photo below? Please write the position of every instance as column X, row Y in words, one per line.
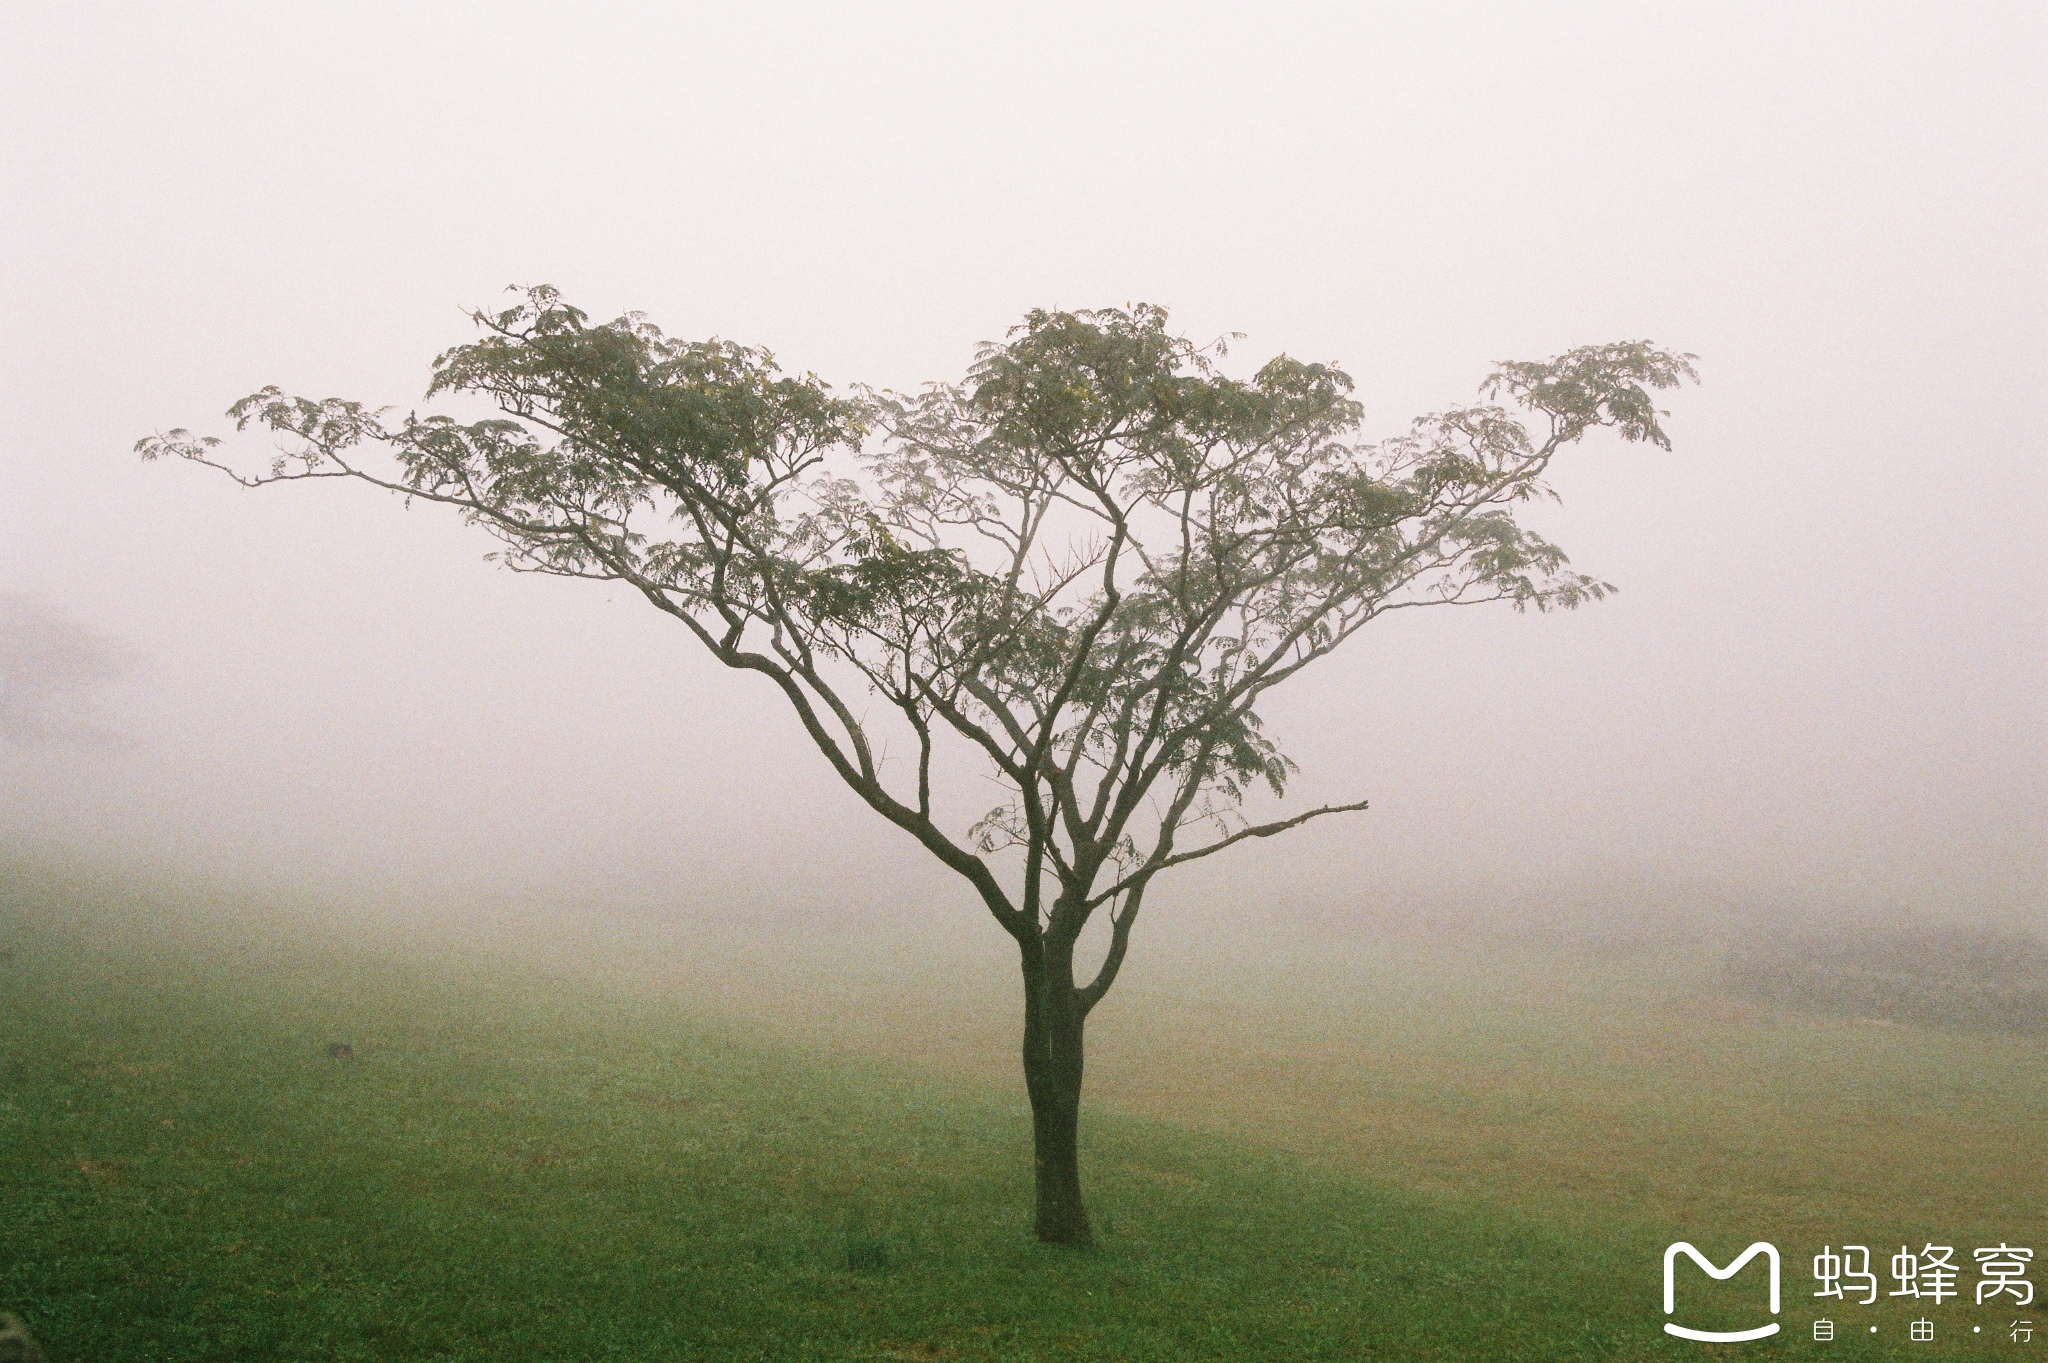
column 1264, row 830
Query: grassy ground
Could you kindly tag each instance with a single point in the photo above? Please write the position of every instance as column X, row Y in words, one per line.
column 1565, row 1083
column 517, row 1165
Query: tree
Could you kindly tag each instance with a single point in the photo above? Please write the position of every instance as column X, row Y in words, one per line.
column 50, row 670
column 1083, row 567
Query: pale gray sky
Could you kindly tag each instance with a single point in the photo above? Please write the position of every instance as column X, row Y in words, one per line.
column 1822, row 679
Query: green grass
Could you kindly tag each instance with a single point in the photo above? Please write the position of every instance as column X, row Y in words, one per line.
column 513, row 1166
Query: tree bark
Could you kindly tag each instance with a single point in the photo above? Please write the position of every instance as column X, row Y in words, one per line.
column 1052, row 1075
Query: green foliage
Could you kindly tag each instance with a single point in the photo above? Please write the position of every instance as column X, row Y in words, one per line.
column 1085, row 564
column 1598, row 385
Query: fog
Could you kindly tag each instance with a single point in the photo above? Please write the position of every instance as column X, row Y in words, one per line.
column 1820, row 687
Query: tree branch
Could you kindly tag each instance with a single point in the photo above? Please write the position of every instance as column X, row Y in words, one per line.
column 1264, row 830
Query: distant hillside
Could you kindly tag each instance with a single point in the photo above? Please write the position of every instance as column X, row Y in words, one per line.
column 1984, row 978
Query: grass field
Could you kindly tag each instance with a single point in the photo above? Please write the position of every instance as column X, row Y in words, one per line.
column 587, row 1150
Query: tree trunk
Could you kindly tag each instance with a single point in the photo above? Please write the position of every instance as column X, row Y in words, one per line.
column 1052, row 1075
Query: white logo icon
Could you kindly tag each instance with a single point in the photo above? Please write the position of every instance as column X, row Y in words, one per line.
column 1718, row 1336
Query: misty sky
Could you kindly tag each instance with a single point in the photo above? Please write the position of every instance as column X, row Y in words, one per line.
column 1821, row 682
